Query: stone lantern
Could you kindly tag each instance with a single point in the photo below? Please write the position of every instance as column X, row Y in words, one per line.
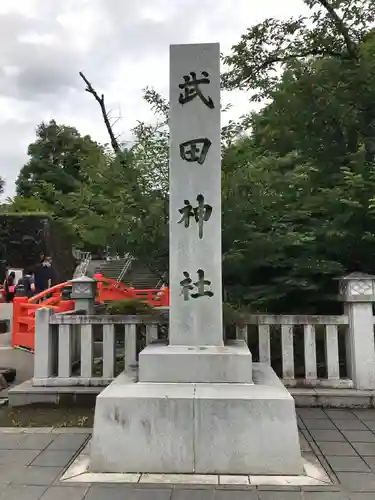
column 357, row 287
column 357, row 292
column 84, row 293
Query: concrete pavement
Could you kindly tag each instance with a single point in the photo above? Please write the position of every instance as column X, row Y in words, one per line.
column 32, row 462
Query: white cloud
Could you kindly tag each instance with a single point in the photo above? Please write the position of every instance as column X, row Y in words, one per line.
column 121, row 45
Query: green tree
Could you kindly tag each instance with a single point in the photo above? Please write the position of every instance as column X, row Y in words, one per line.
column 338, row 30
column 56, row 160
column 24, row 205
column 286, row 236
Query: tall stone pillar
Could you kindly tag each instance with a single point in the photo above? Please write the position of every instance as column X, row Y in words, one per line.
column 195, row 196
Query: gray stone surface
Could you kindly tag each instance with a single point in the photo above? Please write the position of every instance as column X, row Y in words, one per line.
column 195, row 321
column 34, row 475
column 68, row 441
column 186, row 364
column 280, row 495
column 348, row 464
column 370, row 461
column 19, row 457
column 321, row 495
column 350, row 425
column 193, row 494
column 336, row 414
column 327, row 435
column 35, row 442
column 206, row 428
column 144, row 428
column 9, row 441
column 339, row 449
column 361, row 496
column 261, row 437
column 355, row 484
column 311, row 413
column 359, row 436
column 365, row 449
column 365, row 415
column 22, row 492
column 123, row 493
column 233, row 495
column 66, row 493
column 319, row 423
column 360, row 336
column 357, row 481
column 54, row 458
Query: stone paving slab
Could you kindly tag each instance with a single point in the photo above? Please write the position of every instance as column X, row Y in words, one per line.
column 32, row 462
column 17, row 492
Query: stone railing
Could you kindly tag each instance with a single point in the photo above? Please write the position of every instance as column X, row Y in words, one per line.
column 298, row 333
column 65, row 347
column 313, row 351
column 66, row 352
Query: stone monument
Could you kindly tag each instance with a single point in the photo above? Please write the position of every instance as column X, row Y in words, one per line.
column 200, row 405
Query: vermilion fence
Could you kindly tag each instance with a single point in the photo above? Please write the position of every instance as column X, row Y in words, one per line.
column 23, row 321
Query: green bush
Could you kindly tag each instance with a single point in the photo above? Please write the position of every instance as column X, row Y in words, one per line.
column 129, row 307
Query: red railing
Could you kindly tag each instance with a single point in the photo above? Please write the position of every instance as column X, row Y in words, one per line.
column 109, row 289
column 23, row 322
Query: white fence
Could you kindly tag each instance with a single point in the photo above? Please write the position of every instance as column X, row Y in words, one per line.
column 300, row 331
column 74, row 349
column 313, row 351
column 65, row 347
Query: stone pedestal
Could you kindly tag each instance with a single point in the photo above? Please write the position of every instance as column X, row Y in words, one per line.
column 212, row 364
column 197, row 428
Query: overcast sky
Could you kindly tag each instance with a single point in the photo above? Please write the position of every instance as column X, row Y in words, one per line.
column 121, row 45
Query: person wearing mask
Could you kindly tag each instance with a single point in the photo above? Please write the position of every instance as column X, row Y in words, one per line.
column 9, row 287
column 43, row 275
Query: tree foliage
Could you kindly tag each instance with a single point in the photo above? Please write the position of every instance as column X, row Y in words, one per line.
column 301, row 198
column 338, row 30
column 57, row 158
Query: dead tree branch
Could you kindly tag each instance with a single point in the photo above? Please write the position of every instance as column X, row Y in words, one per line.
column 341, row 28
column 100, row 99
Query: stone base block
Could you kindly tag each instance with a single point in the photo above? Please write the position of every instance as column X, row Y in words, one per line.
column 231, row 363
column 197, row 428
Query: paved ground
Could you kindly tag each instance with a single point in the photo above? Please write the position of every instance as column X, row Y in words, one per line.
column 22, row 361
column 31, row 464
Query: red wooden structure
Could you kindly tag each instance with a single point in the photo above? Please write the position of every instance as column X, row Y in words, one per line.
column 23, row 322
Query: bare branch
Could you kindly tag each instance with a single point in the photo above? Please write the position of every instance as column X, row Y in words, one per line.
column 301, row 55
column 115, row 120
column 341, row 28
column 100, row 99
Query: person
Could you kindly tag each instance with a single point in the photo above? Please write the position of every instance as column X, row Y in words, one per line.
column 9, row 286
column 43, row 275
column 27, row 282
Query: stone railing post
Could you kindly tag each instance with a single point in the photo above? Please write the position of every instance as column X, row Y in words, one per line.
column 44, row 355
column 357, row 293
column 83, row 293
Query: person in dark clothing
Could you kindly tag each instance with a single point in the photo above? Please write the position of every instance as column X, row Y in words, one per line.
column 9, row 286
column 43, row 275
column 28, row 283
